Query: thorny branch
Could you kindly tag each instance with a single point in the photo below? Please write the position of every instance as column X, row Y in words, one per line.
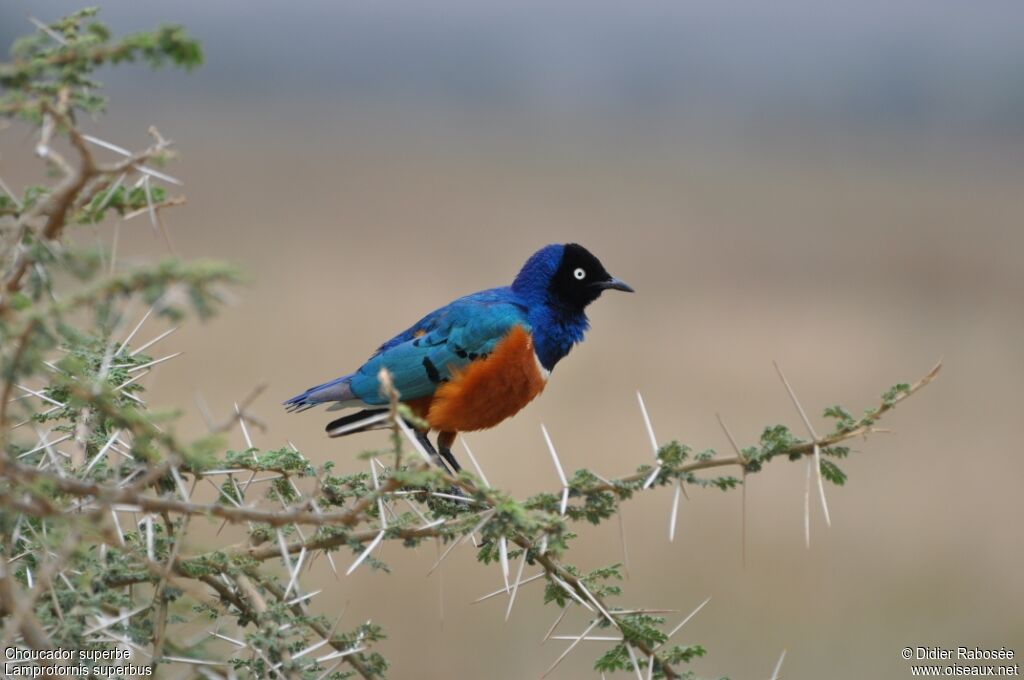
column 74, row 189
column 306, row 512
column 359, row 513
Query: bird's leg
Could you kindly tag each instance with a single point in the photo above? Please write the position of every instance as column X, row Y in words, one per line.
column 444, row 447
column 446, row 454
column 421, row 436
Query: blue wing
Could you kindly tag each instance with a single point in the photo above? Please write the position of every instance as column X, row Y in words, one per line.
column 424, row 356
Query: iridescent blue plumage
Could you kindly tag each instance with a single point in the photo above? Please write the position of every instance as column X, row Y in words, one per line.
column 426, row 355
column 546, row 300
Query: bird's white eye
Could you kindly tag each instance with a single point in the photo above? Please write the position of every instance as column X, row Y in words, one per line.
column 579, row 274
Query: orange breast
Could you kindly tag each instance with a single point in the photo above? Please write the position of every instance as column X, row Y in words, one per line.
column 487, row 391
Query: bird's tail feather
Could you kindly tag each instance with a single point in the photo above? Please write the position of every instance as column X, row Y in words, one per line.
column 367, row 419
column 339, row 389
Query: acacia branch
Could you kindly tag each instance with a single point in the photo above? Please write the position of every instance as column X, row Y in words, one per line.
column 864, row 427
column 299, row 610
column 20, row 347
column 114, row 495
column 59, row 202
column 552, row 567
column 77, row 188
column 358, row 513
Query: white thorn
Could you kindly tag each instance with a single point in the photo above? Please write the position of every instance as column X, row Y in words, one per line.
column 472, row 459
column 453, row 497
column 654, row 441
column 102, row 452
column 807, row 505
column 407, row 431
column 312, row 648
column 778, row 666
column 367, row 551
column 743, row 492
column 558, row 466
column 124, row 343
column 26, row 422
column 796, row 402
column 821, row 484
column 554, row 456
column 46, row 444
column 150, row 539
column 117, row 526
column 428, row 525
column 125, row 152
column 651, row 477
column 572, row 593
column 570, row 648
column 154, row 340
column 555, row 624
column 40, row 395
column 149, row 202
column 515, row 588
column 486, row 515
column 129, row 381
column 56, row 37
column 197, row 662
column 503, row 555
column 110, row 192
column 284, row 556
column 292, row 583
column 501, row 591
column 675, row 511
column 647, row 423
column 104, row 622
column 817, row 453
column 633, row 660
column 155, row 362
column 622, row 539
column 302, row 598
column 245, row 430
column 237, row 643
column 380, row 500
column 597, row 604
column 686, row 620
column 182, row 489
column 338, row 655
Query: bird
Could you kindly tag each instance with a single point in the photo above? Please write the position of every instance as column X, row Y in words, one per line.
column 479, row 359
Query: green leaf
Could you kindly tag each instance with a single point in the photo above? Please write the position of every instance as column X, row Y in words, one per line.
column 832, row 472
column 20, row 302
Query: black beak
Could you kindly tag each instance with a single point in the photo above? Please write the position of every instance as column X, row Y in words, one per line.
column 615, row 284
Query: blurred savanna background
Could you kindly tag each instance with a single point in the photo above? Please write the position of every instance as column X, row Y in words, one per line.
column 839, row 188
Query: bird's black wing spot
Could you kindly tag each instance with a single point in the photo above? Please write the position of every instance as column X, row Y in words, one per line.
column 432, row 373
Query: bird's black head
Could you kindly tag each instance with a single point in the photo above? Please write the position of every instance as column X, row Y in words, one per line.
column 581, row 278
column 557, row 283
column 567, row 276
